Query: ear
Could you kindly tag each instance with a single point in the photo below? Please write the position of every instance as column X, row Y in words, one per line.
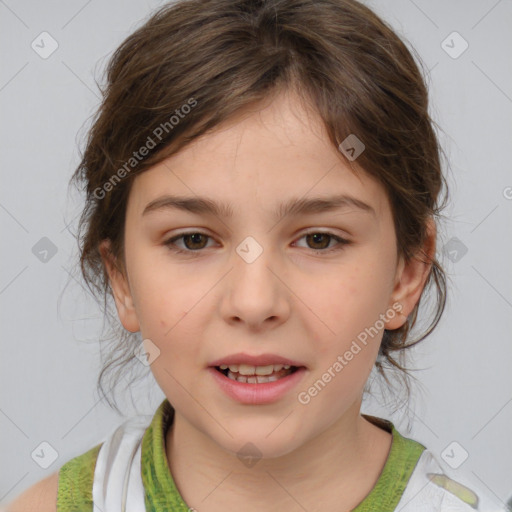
column 411, row 277
column 120, row 288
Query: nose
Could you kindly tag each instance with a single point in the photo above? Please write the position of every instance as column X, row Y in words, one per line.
column 256, row 293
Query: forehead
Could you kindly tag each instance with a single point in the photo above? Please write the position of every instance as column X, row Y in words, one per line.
column 266, row 156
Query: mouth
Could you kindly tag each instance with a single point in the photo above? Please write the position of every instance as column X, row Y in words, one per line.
column 257, row 379
column 257, row 385
column 249, row 374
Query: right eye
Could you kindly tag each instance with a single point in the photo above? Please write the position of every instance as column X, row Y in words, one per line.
column 193, row 241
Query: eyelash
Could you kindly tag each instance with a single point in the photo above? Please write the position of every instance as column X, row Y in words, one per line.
column 172, row 247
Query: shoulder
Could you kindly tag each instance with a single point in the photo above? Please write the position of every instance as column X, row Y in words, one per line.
column 42, row 497
column 429, row 490
column 67, row 488
column 427, row 487
column 71, row 487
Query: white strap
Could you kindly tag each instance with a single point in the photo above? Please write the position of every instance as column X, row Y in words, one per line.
column 135, row 495
column 117, row 485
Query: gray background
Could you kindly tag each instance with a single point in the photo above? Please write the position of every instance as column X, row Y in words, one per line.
column 50, row 351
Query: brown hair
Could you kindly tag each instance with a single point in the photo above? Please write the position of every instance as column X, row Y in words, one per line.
column 196, row 63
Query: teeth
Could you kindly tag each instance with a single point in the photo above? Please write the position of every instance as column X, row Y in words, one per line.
column 272, row 378
column 259, row 379
column 246, row 369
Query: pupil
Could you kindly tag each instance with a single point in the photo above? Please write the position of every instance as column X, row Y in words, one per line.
column 195, row 239
column 317, row 236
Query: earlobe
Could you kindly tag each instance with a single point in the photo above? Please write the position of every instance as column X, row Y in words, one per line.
column 411, row 278
column 120, row 289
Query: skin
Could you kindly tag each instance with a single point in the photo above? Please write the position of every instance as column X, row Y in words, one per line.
column 292, row 301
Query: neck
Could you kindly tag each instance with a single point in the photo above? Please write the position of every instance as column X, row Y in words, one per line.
column 337, row 469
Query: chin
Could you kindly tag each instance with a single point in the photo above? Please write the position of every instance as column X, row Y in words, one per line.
column 259, row 443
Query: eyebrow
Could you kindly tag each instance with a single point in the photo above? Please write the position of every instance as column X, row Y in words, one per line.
column 295, row 206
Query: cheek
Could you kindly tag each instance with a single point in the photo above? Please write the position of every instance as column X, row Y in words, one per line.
column 346, row 302
column 166, row 306
column 346, row 381
column 170, row 311
column 337, row 384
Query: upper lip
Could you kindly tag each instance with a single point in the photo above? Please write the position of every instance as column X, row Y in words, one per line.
column 259, row 360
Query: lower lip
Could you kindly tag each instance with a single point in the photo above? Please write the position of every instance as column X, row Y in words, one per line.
column 255, row 394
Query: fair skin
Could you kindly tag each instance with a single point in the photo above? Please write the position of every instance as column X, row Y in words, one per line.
column 42, row 496
column 292, row 300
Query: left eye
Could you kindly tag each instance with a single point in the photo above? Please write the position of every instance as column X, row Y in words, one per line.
column 319, row 238
column 194, row 241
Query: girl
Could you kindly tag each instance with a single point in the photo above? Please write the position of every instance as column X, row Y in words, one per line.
column 262, row 185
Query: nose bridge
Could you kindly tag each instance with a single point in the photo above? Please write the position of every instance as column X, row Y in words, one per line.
column 255, row 293
column 252, row 260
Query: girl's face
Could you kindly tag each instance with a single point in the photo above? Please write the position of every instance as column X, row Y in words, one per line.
column 254, row 280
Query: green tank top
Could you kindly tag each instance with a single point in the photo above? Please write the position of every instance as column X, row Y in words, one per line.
column 76, row 476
